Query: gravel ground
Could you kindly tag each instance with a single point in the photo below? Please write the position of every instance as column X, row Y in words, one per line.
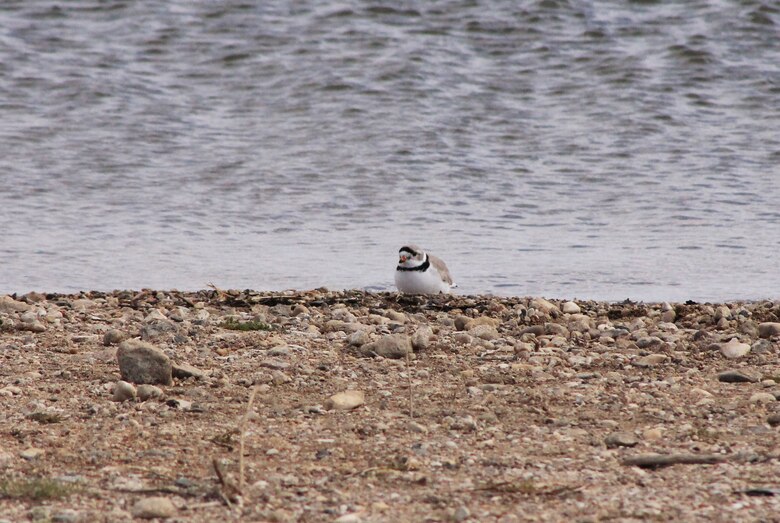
column 362, row 407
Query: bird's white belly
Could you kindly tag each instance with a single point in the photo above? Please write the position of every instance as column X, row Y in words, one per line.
column 420, row 282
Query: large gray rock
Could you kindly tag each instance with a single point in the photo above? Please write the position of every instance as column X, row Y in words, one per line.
column 390, row 346
column 141, row 362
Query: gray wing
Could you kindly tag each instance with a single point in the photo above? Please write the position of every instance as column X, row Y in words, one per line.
column 440, row 266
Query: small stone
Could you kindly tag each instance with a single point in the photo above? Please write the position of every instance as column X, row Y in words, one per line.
column 768, row 329
column 280, row 378
column 124, row 391
column 417, row 427
column 389, row 346
column 396, row 316
column 31, row 453
column 34, row 326
column 155, row 315
column 736, row 376
column 570, row 307
column 484, row 332
column 461, row 322
column 148, row 392
column 761, row 347
column 8, row 304
column 422, row 338
column 651, row 360
column 462, row 338
column 154, row 507
column 620, row 439
column 734, row 349
column 460, row 514
column 773, row 419
column 65, row 515
column 668, row 316
column 762, row 397
column 348, row 518
column 648, row 341
column 185, row 370
column 141, row 362
column 358, row 338
column 299, row 309
column 280, row 351
column 653, row 434
column 113, row 337
column 544, row 305
column 346, row 400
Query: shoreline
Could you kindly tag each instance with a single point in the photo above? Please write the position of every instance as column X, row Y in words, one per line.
column 358, row 406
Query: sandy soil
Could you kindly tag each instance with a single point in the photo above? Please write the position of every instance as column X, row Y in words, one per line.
column 483, row 409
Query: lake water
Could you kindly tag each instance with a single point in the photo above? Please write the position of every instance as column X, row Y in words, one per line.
column 591, row 149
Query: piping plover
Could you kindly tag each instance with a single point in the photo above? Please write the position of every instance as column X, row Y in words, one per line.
column 421, row 273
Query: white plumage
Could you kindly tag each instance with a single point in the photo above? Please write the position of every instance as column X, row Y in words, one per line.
column 421, row 273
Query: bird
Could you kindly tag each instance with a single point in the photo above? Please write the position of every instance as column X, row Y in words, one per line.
column 421, row 273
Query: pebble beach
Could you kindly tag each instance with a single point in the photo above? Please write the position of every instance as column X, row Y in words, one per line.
column 350, row 406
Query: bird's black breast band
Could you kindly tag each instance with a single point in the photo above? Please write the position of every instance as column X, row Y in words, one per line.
column 421, row 268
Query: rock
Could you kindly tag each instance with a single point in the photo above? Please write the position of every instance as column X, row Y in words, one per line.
column 141, row 362
column 299, row 309
column 648, row 341
column 280, row 350
column 389, row 346
column 113, row 337
column 763, row 397
column 422, row 338
column 154, row 507
column 155, row 315
column 734, row 349
column 82, row 304
column 358, row 338
column 544, row 305
column 348, row 518
column 65, row 515
column 620, row 439
column 124, row 391
column 736, row 376
column 761, row 347
column 346, row 400
column 462, row 338
column 570, row 307
column 653, row 434
column 33, row 326
column 768, row 329
column 668, row 316
column 148, row 392
column 484, row 332
column 651, row 360
column 461, row 322
column 482, row 320
column 185, row 370
column 8, row 304
column 461, row 514
column 31, row 453
column 396, row 316
column 556, row 329
column 773, row 419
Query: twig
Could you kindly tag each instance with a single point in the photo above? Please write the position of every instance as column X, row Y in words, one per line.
column 242, row 430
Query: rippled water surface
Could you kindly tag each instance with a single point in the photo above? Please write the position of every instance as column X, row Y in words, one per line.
column 602, row 149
